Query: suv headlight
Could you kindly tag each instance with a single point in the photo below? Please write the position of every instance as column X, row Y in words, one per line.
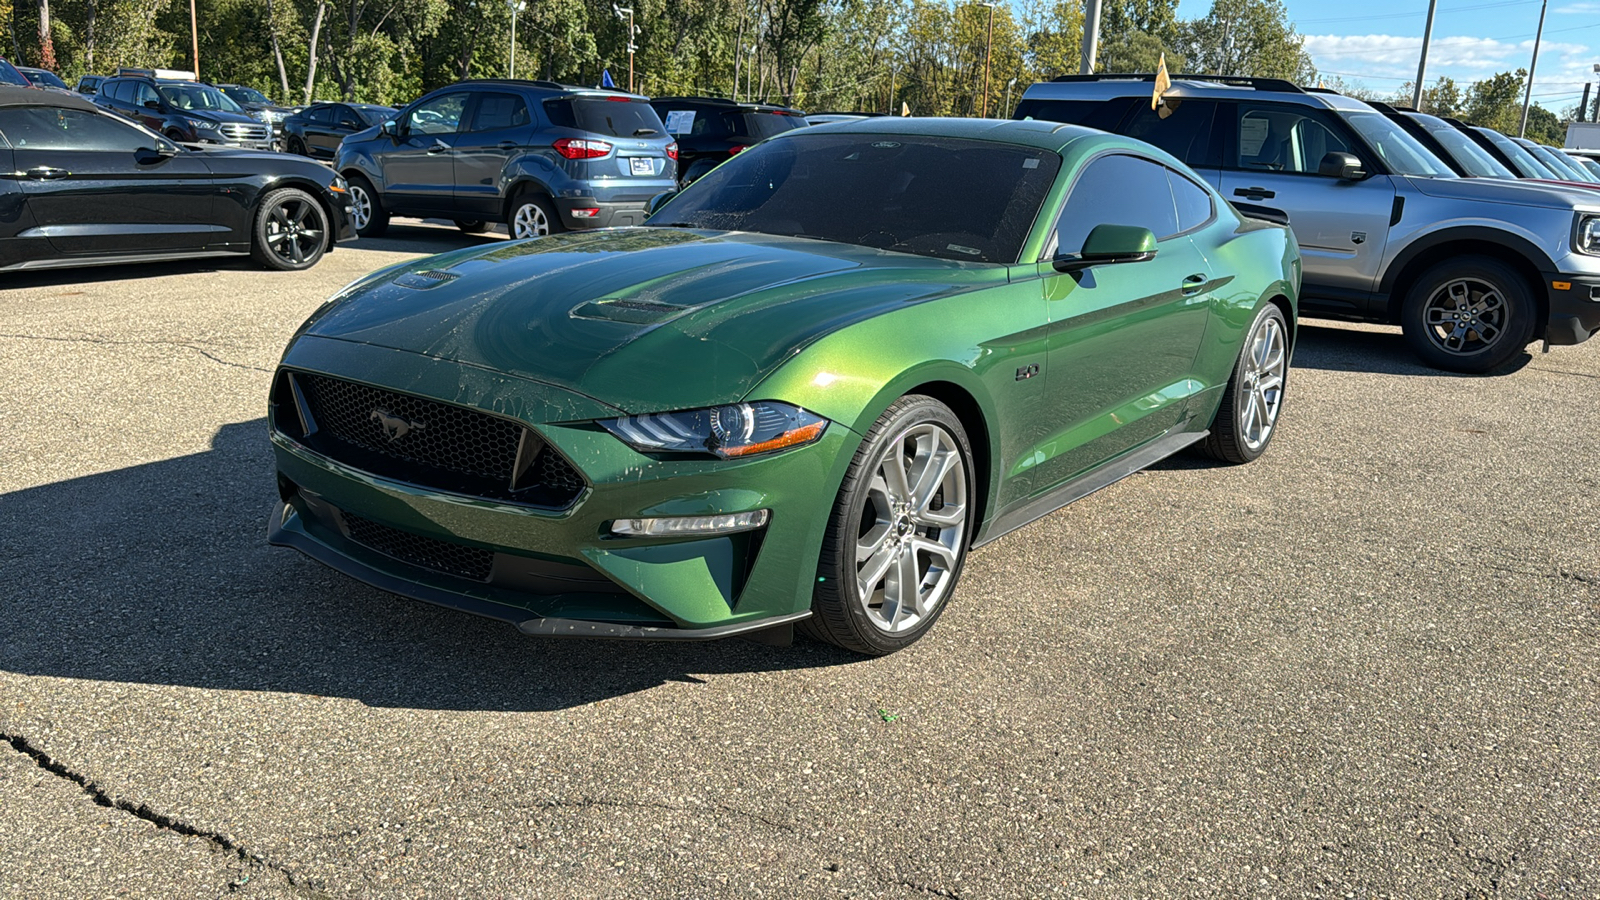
column 1589, row 234
column 731, row 432
column 200, row 124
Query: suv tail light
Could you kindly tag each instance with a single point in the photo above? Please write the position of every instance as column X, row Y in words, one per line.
column 737, row 149
column 672, row 150
column 577, row 148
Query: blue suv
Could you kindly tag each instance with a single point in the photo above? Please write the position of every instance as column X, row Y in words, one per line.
column 541, row 157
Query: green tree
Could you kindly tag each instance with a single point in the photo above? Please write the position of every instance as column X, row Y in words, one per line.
column 1136, row 51
column 1247, row 37
column 1444, row 98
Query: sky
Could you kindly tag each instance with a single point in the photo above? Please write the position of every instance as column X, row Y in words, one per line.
column 1376, row 43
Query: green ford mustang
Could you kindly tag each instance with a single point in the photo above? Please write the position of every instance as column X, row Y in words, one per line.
column 800, row 396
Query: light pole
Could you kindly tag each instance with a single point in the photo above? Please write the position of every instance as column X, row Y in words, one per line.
column 988, row 51
column 1527, row 96
column 627, row 12
column 516, row 6
column 1422, row 64
column 1091, row 36
column 1009, row 85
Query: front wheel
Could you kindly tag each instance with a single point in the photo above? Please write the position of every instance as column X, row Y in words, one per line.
column 1470, row 314
column 1250, row 405
column 898, row 533
column 291, row 230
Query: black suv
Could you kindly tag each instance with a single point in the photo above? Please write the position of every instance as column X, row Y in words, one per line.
column 317, row 130
column 184, row 111
column 711, row 129
column 262, row 107
column 541, row 157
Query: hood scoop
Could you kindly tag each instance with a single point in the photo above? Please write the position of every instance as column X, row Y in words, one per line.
column 631, row 310
column 427, row 278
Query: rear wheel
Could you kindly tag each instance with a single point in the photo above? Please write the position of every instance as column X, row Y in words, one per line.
column 1468, row 314
column 291, row 230
column 371, row 219
column 1250, row 405
column 532, row 215
column 899, row 531
column 472, row 226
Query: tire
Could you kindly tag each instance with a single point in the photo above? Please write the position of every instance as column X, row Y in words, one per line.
column 472, row 226
column 697, row 171
column 290, row 231
column 1248, row 415
column 371, row 219
column 1468, row 314
column 537, row 215
column 296, row 147
column 871, row 513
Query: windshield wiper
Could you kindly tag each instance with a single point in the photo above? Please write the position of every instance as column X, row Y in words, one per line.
column 641, row 132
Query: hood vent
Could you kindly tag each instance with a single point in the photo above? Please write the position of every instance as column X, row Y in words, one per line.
column 427, row 278
column 631, row 310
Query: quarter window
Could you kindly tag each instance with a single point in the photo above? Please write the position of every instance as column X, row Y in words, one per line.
column 1117, row 190
column 441, row 115
column 1192, row 200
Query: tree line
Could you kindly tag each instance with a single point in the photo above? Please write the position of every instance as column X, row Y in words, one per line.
column 928, row 56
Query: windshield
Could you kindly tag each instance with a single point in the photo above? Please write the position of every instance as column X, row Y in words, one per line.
column 1521, row 160
column 972, row 201
column 247, row 95
column 610, row 116
column 46, row 78
column 1464, row 150
column 1401, row 152
column 1591, row 165
column 198, row 96
column 374, row 115
column 10, row 75
column 1556, row 161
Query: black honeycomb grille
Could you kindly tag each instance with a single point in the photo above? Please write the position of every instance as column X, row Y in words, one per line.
column 473, row 563
column 428, row 443
column 413, row 429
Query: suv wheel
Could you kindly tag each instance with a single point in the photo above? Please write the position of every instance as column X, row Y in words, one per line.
column 1468, row 314
column 291, row 230
column 531, row 216
column 371, row 219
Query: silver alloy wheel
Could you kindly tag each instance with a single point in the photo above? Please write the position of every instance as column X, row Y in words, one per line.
column 913, row 528
column 361, row 206
column 1261, row 384
column 290, row 237
column 1465, row 315
column 530, row 221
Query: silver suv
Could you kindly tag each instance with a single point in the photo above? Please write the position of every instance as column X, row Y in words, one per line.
column 1472, row 269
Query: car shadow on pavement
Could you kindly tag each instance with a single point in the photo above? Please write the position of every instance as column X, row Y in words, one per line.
column 431, row 236
column 160, row 574
column 1381, row 352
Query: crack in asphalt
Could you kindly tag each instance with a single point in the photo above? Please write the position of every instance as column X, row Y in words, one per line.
column 1560, row 574
column 1564, row 372
column 161, row 820
column 108, row 342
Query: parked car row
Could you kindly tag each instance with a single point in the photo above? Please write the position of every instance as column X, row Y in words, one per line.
column 1471, row 268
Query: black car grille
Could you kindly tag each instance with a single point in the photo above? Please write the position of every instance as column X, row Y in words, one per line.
column 425, row 442
column 474, row 563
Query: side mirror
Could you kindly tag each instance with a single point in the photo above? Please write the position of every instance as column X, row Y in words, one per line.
column 1110, row 244
column 152, row 104
column 1343, row 166
column 145, row 156
column 657, row 202
column 392, row 128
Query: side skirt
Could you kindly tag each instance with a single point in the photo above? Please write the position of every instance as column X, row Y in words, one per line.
column 1108, row 474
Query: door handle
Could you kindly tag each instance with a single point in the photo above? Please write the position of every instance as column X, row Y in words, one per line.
column 507, row 145
column 1254, row 193
column 438, row 146
column 1194, row 284
column 47, row 173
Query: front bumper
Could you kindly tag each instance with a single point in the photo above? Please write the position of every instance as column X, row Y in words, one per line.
column 1574, row 309
column 342, row 217
column 560, row 571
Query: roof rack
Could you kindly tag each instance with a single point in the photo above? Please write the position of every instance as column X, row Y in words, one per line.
column 1260, row 84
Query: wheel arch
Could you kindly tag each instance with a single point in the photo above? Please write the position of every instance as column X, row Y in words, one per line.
column 1525, row 258
column 519, row 183
column 970, row 413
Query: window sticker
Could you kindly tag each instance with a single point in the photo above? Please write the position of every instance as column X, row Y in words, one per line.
column 680, row 121
column 1252, row 134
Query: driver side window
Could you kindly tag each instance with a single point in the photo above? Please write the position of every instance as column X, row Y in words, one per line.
column 144, row 93
column 441, row 115
column 1283, row 140
column 1116, row 190
column 49, row 128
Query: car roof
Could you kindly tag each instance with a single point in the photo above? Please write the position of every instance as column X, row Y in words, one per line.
column 1040, row 134
column 743, row 105
column 551, row 86
column 14, row 95
column 1211, row 87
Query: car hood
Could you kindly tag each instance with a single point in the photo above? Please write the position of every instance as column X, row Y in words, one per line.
column 1501, row 190
column 217, row 115
column 643, row 319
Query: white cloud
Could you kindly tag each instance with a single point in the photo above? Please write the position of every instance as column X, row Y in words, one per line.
column 1586, row 8
column 1386, row 60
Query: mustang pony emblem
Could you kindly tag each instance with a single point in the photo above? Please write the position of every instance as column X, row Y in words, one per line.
column 394, row 426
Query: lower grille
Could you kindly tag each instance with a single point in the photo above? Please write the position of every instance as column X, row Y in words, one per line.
column 474, row 563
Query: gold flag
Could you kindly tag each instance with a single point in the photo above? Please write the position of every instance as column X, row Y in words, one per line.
column 905, row 108
column 1163, row 84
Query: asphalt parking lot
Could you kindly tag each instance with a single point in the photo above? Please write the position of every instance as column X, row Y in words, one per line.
column 1364, row 666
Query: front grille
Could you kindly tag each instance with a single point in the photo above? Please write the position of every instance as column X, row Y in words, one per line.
column 239, row 131
column 474, row 563
column 427, row 443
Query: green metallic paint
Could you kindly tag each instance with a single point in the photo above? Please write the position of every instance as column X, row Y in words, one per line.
column 560, row 331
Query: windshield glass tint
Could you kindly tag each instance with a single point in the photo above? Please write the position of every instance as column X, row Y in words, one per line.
column 1554, row 160
column 1521, row 160
column 972, row 201
column 9, row 75
column 47, row 78
column 761, row 125
column 1399, row 151
column 247, row 95
column 613, row 118
column 374, row 115
column 1463, row 149
column 198, row 96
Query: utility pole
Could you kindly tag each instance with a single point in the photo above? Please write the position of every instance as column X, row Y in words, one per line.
column 627, row 11
column 1091, row 36
column 988, row 51
column 1422, row 64
column 516, row 7
column 1527, row 96
column 194, row 38
column 1009, row 85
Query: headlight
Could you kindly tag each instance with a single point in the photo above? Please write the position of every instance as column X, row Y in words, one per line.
column 733, row 431
column 201, row 124
column 1589, row 234
column 339, row 185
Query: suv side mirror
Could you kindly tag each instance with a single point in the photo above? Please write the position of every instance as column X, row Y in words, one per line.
column 1343, row 166
column 152, row 104
column 392, row 128
column 657, row 202
column 1110, row 244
